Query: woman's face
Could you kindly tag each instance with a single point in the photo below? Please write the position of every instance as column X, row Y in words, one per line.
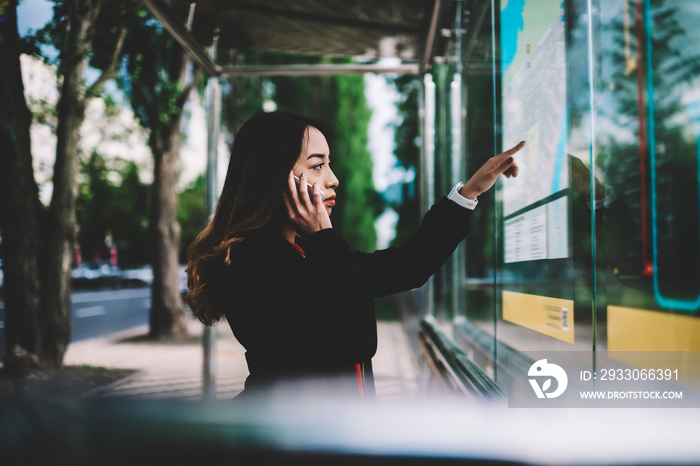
column 315, row 162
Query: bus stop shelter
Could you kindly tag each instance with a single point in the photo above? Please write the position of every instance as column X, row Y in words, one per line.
column 387, row 36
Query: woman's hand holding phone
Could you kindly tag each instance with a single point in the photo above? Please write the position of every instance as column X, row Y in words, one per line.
column 305, row 206
column 309, row 187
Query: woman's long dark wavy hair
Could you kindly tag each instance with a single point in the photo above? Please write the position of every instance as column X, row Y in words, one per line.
column 263, row 153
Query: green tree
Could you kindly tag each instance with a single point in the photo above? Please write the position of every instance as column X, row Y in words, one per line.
column 116, row 209
column 341, row 100
column 407, row 151
column 191, row 214
column 92, row 203
column 130, row 209
column 353, row 164
column 21, row 209
column 242, row 96
column 158, row 82
column 71, row 32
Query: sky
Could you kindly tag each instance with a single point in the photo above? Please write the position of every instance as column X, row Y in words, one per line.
column 33, row 14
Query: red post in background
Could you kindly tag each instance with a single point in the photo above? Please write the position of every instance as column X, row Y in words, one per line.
column 113, row 255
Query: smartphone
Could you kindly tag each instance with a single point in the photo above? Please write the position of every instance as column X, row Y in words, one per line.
column 310, row 188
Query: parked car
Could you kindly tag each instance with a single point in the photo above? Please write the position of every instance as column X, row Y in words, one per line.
column 96, row 275
column 138, row 276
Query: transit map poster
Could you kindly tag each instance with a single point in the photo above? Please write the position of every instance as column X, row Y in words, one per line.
column 534, row 109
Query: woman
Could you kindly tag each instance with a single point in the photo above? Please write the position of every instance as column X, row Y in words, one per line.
column 295, row 296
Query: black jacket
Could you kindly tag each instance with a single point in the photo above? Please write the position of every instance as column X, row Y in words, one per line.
column 314, row 316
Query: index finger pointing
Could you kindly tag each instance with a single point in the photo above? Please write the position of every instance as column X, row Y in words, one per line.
column 511, row 151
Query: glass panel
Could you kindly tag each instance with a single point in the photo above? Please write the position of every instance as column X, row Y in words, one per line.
column 428, row 167
column 596, row 244
column 449, row 156
column 544, row 273
column 649, row 154
column 475, row 323
column 442, row 73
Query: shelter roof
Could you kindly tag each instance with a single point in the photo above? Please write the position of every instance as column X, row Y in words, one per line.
column 364, row 30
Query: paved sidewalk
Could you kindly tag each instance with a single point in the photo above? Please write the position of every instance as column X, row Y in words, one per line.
column 174, row 371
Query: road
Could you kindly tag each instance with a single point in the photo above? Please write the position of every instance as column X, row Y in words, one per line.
column 97, row 313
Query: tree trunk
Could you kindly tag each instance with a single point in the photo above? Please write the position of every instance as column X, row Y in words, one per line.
column 38, row 304
column 167, row 317
column 62, row 222
column 20, row 210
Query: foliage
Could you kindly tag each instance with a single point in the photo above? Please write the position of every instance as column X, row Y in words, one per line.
column 406, row 131
column 158, row 79
column 100, row 52
column 150, row 76
column 131, row 208
column 340, row 100
column 111, row 204
column 242, row 96
column 191, row 214
column 359, row 202
column 71, row 32
column 407, row 151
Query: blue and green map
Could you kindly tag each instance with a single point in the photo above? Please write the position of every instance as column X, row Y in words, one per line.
column 534, row 109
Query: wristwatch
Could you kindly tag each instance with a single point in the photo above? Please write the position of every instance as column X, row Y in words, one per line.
column 455, row 196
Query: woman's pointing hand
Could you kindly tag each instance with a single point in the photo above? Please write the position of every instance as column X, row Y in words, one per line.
column 486, row 176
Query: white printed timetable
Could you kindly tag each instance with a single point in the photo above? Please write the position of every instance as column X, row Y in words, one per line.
column 540, row 233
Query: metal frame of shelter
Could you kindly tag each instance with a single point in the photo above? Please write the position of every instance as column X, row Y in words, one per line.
column 182, row 31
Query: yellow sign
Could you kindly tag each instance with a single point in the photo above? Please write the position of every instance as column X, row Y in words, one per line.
column 552, row 316
column 631, row 329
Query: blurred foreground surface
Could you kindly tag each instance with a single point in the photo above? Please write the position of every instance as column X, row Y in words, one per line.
column 156, row 416
column 315, row 429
